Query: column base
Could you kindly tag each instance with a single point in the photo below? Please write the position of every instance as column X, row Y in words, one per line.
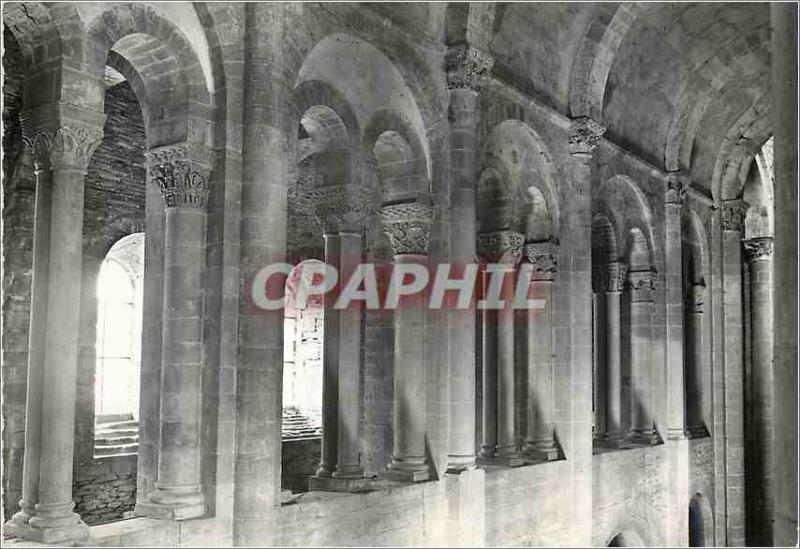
column 47, row 534
column 642, row 438
column 458, row 464
column 677, row 434
column 408, row 470
column 169, row 511
column 501, row 462
column 697, row 431
column 537, row 456
column 333, row 484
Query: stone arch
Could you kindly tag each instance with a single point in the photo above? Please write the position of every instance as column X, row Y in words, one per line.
column 604, row 240
column 701, row 521
column 175, row 78
column 626, row 538
column 331, row 60
column 516, row 151
column 399, row 155
column 595, row 57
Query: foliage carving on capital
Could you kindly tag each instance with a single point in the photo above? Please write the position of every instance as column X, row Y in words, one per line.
column 339, row 208
column 757, row 248
column 677, row 188
column 466, row 67
column 501, row 246
column 407, row 225
column 733, row 213
column 695, row 298
column 609, row 277
column 585, row 135
column 544, row 258
column 70, row 144
column 182, row 173
column 641, row 284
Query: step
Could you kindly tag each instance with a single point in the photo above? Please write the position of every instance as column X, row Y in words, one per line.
column 112, row 418
column 116, row 433
column 114, row 441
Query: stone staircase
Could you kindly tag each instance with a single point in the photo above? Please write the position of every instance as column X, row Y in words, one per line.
column 116, row 435
column 297, row 425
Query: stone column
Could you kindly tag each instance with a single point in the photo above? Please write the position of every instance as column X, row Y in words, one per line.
column 540, row 444
column 63, row 139
column 641, row 284
column 733, row 352
column 503, row 248
column 408, row 227
column 784, row 112
column 677, row 185
column 465, row 67
column 598, row 364
column 758, row 254
column 182, row 174
column 694, row 361
column 610, row 279
column 341, row 211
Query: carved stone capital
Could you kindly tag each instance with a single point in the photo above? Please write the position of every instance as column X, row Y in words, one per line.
column 677, row 187
column 733, row 213
column 609, row 277
column 501, row 246
column 408, row 227
column 756, row 249
column 641, row 285
column 544, row 258
column 70, row 144
column 466, row 67
column 694, row 298
column 584, row 135
column 182, row 173
column 339, row 208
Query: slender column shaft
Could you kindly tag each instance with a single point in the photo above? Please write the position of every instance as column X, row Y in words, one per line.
column 642, row 429
column 330, row 369
column 758, row 252
column 55, row 505
column 349, row 400
column 539, row 439
column 676, row 189
column 599, row 364
column 38, row 330
column 694, row 362
column 613, row 368
column 409, row 383
column 179, row 475
column 489, row 376
column 506, row 432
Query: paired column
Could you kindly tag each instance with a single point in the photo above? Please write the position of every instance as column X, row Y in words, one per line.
column 63, row 139
column 465, row 67
column 408, row 227
column 694, row 360
column 182, row 174
column 641, row 284
column 609, row 279
column 499, row 446
column 341, row 212
column 677, row 185
column 758, row 254
column 540, row 444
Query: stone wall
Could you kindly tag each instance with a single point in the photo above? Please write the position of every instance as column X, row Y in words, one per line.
column 105, row 490
column 299, row 460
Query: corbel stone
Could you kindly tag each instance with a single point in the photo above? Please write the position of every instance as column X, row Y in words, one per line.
column 585, row 135
column 466, row 67
column 695, row 298
column 408, row 227
column 677, row 188
column 641, row 285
